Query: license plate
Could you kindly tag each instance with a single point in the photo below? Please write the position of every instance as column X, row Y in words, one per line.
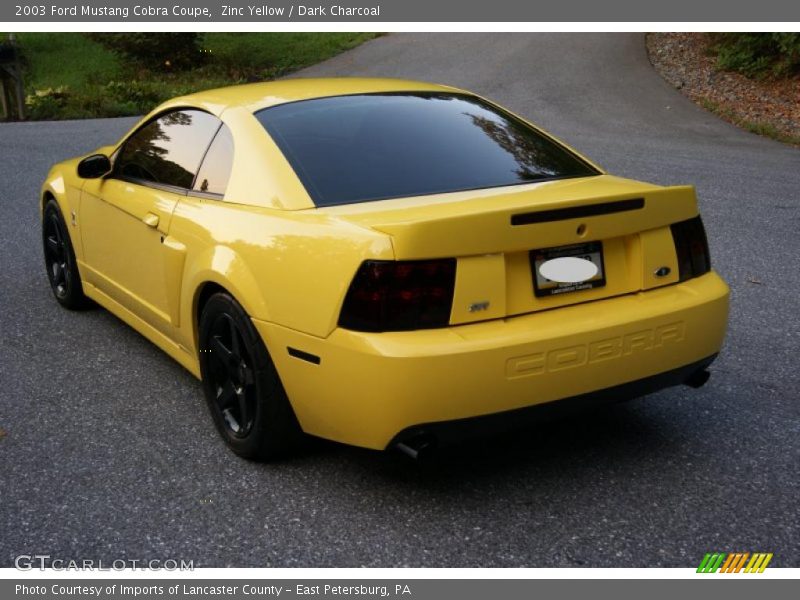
column 591, row 251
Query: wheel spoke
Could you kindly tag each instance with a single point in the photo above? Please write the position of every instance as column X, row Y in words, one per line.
column 244, row 417
column 249, row 377
column 224, row 355
column 234, row 337
column 233, row 424
column 53, row 246
column 226, row 396
column 58, row 273
column 57, row 232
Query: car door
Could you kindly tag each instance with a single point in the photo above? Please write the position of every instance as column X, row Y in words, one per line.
column 126, row 215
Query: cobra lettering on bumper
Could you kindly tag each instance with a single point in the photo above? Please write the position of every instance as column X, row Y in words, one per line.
column 569, row 357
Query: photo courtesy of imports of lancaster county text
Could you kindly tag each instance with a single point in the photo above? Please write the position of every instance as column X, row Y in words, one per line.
column 238, row 589
column 193, row 12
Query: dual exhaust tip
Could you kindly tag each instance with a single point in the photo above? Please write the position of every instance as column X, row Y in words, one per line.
column 418, row 446
column 422, row 444
column 698, row 379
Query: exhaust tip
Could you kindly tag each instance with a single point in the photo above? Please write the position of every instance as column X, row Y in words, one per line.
column 698, row 379
column 418, row 446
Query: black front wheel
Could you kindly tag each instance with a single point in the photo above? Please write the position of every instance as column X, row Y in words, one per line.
column 244, row 393
column 59, row 259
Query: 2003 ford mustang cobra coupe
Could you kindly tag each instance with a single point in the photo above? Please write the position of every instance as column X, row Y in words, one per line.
column 383, row 263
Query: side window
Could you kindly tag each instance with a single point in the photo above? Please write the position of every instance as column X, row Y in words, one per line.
column 216, row 168
column 169, row 149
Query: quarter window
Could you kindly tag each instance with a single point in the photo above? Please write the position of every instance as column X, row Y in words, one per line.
column 168, row 150
column 216, row 168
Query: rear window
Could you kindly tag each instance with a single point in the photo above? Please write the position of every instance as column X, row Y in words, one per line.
column 348, row 149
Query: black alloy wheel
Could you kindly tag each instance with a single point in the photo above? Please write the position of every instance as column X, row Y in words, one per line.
column 59, row 257
column 242, row 388
column 232, row 373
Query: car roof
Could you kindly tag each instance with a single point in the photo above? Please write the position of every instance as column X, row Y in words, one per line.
column 255, row 96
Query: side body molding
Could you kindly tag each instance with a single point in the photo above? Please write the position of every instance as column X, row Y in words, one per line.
column 174, row 261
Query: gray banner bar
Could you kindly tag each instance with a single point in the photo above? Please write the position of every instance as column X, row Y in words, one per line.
column 731, row 588
column 313, row 11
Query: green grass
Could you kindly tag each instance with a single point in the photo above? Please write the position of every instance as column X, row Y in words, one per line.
column 68, row 76
column 65, row 59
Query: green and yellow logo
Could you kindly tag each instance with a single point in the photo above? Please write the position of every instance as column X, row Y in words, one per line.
column 719, row 562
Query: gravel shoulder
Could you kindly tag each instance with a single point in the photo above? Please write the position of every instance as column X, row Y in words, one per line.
column 767, row 107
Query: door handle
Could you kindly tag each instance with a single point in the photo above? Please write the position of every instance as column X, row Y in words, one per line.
column 151, row 220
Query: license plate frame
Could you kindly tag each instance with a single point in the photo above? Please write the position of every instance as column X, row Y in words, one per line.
column 543, row 287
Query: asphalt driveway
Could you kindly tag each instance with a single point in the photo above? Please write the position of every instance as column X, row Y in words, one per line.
column 107, row 452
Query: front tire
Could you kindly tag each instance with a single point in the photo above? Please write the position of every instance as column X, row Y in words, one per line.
column 59, row 257
column 242, row 388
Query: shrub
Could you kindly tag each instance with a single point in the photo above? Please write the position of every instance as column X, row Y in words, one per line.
column 758, row 54
column 47, row 103
column 140, row 94
column 154, row 51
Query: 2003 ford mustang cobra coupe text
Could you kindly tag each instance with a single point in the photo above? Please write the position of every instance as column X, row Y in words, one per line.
column 383, row 263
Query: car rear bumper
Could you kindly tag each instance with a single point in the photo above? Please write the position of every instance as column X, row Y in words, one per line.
column 370, row 389
column 421, row 437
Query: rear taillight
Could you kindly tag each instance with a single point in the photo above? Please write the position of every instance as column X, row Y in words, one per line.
column 389, row 295
column 691, row 247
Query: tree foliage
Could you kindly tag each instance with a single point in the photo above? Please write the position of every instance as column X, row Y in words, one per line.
column 154, row 51
column 758, row 54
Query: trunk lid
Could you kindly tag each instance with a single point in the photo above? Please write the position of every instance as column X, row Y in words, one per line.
column 493, row 232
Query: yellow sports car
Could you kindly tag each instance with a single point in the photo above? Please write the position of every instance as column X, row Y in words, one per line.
column 383, row 263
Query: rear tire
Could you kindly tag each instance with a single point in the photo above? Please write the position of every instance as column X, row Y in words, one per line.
column 242, row 388
column 59, row 257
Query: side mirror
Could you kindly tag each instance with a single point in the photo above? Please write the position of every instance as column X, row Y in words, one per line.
column 94, row 166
